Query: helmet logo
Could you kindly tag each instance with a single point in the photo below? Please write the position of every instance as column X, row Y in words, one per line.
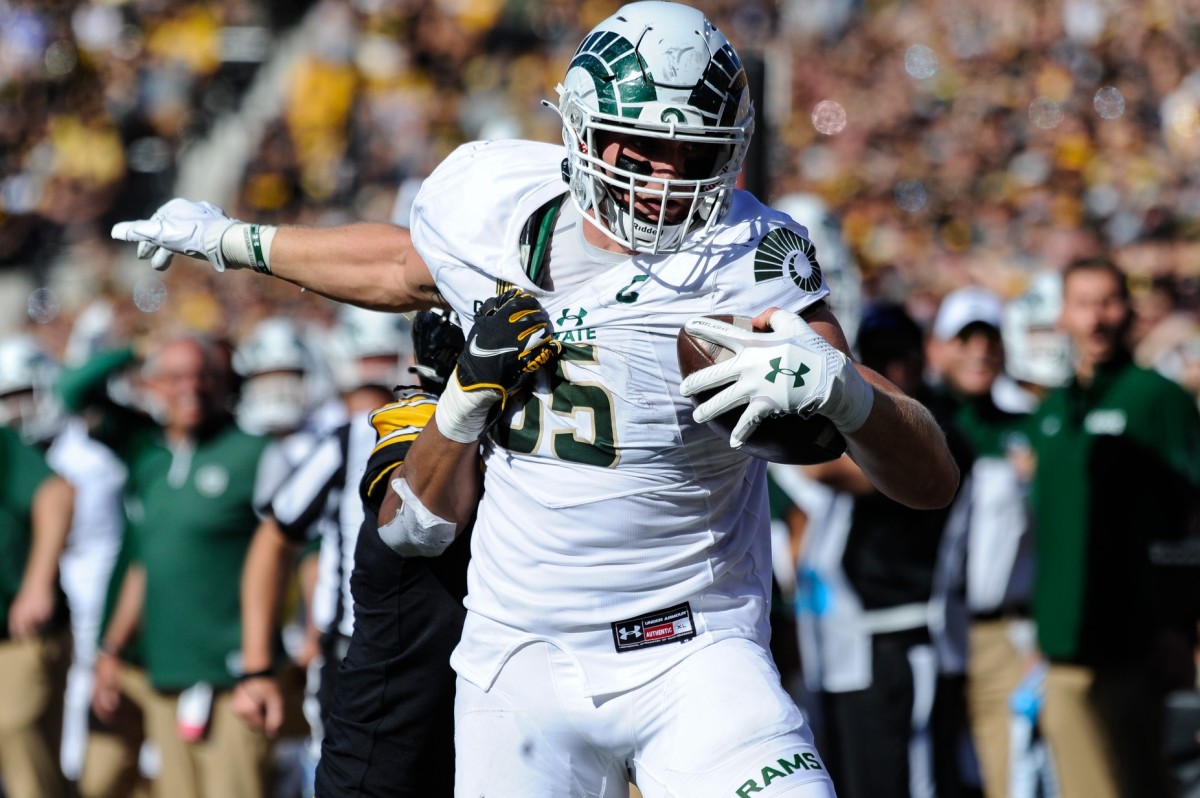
column 619, row 77
column 673, row 115
column 684, row 65
column 719, row 95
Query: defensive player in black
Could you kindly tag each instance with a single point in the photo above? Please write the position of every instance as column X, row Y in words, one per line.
column 388, row 729
column 391, row 729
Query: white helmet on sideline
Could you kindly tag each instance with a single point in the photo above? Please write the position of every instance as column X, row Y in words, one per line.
column 275, row 365
column 1036, row 351
column 369, row 348
column 27, row 400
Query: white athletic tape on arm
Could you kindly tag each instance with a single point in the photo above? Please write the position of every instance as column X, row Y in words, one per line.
column 462, row 416
column 248, row 246
column 415, row 531
column 856, row 396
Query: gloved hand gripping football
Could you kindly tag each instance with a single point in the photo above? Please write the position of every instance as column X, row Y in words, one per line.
column 201, row 230
column 508, row 343
column 791, row 369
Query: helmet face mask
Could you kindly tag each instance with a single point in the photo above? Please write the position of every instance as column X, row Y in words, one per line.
column 274, row 362
column 273, row 403
column 369, row 349
column 652, row 76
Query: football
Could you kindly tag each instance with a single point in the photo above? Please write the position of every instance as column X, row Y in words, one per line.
column 779, row 439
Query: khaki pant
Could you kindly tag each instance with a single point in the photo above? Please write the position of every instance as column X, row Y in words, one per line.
column 1104, row 726
column 33, row 679
column 994, row 669
column 231, row 761
column 110, row 764
column 1073, row 730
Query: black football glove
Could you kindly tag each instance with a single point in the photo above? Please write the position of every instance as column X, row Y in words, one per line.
column 508, row 343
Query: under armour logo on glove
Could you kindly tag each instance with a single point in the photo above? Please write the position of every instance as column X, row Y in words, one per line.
column 797, row 373
column 823, row 379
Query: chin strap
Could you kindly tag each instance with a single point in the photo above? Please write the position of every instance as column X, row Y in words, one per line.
column 631, row 231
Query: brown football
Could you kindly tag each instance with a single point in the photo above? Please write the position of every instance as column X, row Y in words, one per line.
column 778, row 439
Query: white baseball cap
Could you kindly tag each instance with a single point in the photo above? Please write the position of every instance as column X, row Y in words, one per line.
column 966, row 306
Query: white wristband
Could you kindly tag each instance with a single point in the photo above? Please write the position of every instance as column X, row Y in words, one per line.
column 854, row 399
column 248, row 246
column 462, row 416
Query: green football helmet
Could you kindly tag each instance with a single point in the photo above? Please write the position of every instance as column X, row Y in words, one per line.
column 660, row 71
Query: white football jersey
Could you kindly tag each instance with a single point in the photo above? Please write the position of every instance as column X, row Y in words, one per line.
column 611, row 523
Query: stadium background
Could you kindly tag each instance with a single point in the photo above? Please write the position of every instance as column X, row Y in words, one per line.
column 957, row 140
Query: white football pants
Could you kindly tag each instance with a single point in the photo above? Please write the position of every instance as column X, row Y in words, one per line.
column 717, row 725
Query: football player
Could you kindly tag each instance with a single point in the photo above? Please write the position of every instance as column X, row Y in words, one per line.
column 385, row 726
column 617, row 608
column 28, row 405
column 277, row 369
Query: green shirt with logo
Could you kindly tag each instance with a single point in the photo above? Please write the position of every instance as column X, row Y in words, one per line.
column 190, row 518
column 191, row 514
column 1118, row 465
column 22, row 470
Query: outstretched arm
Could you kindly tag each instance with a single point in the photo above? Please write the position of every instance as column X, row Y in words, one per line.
column 366, row 264
column 371, row 265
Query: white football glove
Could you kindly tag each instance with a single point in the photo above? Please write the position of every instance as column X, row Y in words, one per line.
column 184, row 227
column 791, row 369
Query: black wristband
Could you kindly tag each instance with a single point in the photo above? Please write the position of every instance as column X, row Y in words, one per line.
column 265, row 673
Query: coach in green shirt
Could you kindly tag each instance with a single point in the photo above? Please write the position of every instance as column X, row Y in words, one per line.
column 195, row 480
column 1118, row 464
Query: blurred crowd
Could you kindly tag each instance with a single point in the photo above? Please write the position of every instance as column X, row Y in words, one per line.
column 929, row 146
column 958, row 142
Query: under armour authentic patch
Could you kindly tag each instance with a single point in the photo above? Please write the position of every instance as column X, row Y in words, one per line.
column 671, row 625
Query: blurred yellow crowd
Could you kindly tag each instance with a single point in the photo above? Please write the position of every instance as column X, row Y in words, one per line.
column 959, row 141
